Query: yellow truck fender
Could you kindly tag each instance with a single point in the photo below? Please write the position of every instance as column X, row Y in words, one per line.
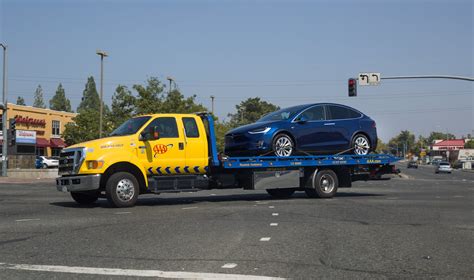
column 125, row 164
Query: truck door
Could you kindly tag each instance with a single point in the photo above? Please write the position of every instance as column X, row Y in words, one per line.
column 165, row 155
column 196, row 148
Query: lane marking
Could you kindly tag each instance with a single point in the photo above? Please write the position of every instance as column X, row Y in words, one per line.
column 213, row 194
column 271, row 207
column 274, row 214
column 458, row 196
column 122, row 213
column 187, row 208
column 229, row 265
column 265, row 239
column 274, row 224
column 26, row 220
column 132, row 272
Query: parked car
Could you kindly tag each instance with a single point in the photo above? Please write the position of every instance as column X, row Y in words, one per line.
column 305, row 129
column 46, row 162
column 412, row 164
column 443, row 166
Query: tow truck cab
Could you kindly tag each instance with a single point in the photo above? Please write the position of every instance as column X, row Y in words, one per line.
column 177, row 152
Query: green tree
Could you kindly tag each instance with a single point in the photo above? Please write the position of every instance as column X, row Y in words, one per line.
column 123, row 106
column 469, row 144
column 250, row 110
column 150, row 97
column 434, row 135
column 90, row 97
column 59, row 102
column 381, row 147
column 405, row 141
column 39, row 101
column 86, row 123
column 20, row 101
column 175, row 102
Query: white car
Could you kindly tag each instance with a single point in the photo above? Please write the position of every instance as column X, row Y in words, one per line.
column 48, row 162
column 443, row 166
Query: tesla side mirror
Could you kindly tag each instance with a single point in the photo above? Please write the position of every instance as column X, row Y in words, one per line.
column 302, row 120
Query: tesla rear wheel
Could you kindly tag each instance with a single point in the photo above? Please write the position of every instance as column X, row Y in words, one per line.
column 361, row 145
column 283, row 145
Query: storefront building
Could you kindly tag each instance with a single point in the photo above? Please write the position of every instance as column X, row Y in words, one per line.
column 37, row 131
column 444, row 147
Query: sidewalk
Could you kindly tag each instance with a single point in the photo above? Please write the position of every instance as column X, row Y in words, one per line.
column 9, row 180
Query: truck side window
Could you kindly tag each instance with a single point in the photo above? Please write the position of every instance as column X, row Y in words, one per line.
column 190, row 127
column 167, row 127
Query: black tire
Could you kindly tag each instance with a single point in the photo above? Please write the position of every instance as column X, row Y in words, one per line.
column 281, row 193
column 361, row 145
column 122, row 190
column 283, row 145
column 85, row 198
column 324, row 184
column 45, row 166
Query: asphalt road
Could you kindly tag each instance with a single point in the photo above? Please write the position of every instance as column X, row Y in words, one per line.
column 419, row 226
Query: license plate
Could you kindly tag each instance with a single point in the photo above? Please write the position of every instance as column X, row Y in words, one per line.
column 64, row 189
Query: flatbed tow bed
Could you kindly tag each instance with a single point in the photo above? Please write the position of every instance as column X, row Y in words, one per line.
column 125, row 176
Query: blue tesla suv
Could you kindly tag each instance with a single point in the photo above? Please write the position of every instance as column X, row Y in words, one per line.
column 312, row 129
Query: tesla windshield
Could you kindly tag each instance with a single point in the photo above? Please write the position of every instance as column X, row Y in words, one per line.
column 281, row 115
column 130, row 127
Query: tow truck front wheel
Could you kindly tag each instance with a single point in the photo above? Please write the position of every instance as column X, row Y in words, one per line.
column 122, row 190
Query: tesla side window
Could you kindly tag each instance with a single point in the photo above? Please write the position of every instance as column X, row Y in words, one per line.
column 315, row 113
column 341, row 113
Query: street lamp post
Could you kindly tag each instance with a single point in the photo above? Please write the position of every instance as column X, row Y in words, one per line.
column 212, row 102
column 169, row 78
column 102, row 54
column 4, row 114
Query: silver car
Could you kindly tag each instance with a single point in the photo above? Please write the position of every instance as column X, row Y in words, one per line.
column 443, row 166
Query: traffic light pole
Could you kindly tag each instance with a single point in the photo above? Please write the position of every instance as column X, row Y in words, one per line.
column 429, row 77
column 4, row 114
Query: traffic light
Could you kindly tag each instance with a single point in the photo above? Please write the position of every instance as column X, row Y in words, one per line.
column 352, row 87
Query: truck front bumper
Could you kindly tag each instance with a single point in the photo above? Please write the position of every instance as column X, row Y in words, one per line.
column 78, row 183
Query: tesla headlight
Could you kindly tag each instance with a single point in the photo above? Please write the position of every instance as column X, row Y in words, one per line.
column 260, row 130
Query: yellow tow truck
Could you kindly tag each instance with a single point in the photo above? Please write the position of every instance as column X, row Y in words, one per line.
column 177, row 152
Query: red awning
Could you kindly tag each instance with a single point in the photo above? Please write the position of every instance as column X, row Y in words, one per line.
column 41, row 143
column 57, row 143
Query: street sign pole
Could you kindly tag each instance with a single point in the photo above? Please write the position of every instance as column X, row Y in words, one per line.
column 4, row 114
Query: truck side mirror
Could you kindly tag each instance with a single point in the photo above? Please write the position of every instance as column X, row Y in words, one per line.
column 154, row 133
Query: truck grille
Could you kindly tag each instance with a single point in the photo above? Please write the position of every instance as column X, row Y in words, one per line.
column 70, row 161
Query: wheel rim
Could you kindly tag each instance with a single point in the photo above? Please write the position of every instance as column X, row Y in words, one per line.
column 283, row 146
column 361, row 146
column 326, row 184
column 125, row 190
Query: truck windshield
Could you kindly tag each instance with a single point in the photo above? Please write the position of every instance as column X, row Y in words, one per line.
column 130, row 127
column 281, row 115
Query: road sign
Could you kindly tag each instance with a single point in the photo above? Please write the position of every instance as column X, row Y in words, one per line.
column 369, row 79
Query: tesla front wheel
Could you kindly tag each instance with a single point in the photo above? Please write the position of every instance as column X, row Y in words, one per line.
column 361, row 145
column 283, row 145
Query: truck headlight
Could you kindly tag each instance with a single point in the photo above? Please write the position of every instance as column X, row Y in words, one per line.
column 94, row 164
column 260, row 130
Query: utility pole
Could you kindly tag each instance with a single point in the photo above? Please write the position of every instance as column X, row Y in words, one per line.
column 4, row 114
column 102, row 55
column 212, row 102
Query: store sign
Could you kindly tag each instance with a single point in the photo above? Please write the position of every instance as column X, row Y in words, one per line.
column 25, row 137
column 30, row 121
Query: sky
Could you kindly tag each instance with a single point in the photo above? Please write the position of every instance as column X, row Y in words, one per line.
column 285, row 52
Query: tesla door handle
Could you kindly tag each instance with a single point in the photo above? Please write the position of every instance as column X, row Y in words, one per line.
column 181, row 146
column 330, row 123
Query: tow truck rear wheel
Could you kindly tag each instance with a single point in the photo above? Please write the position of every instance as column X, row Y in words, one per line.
column 324, row 184
column 85, row 198
column 122, row 190
column 281, row 193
